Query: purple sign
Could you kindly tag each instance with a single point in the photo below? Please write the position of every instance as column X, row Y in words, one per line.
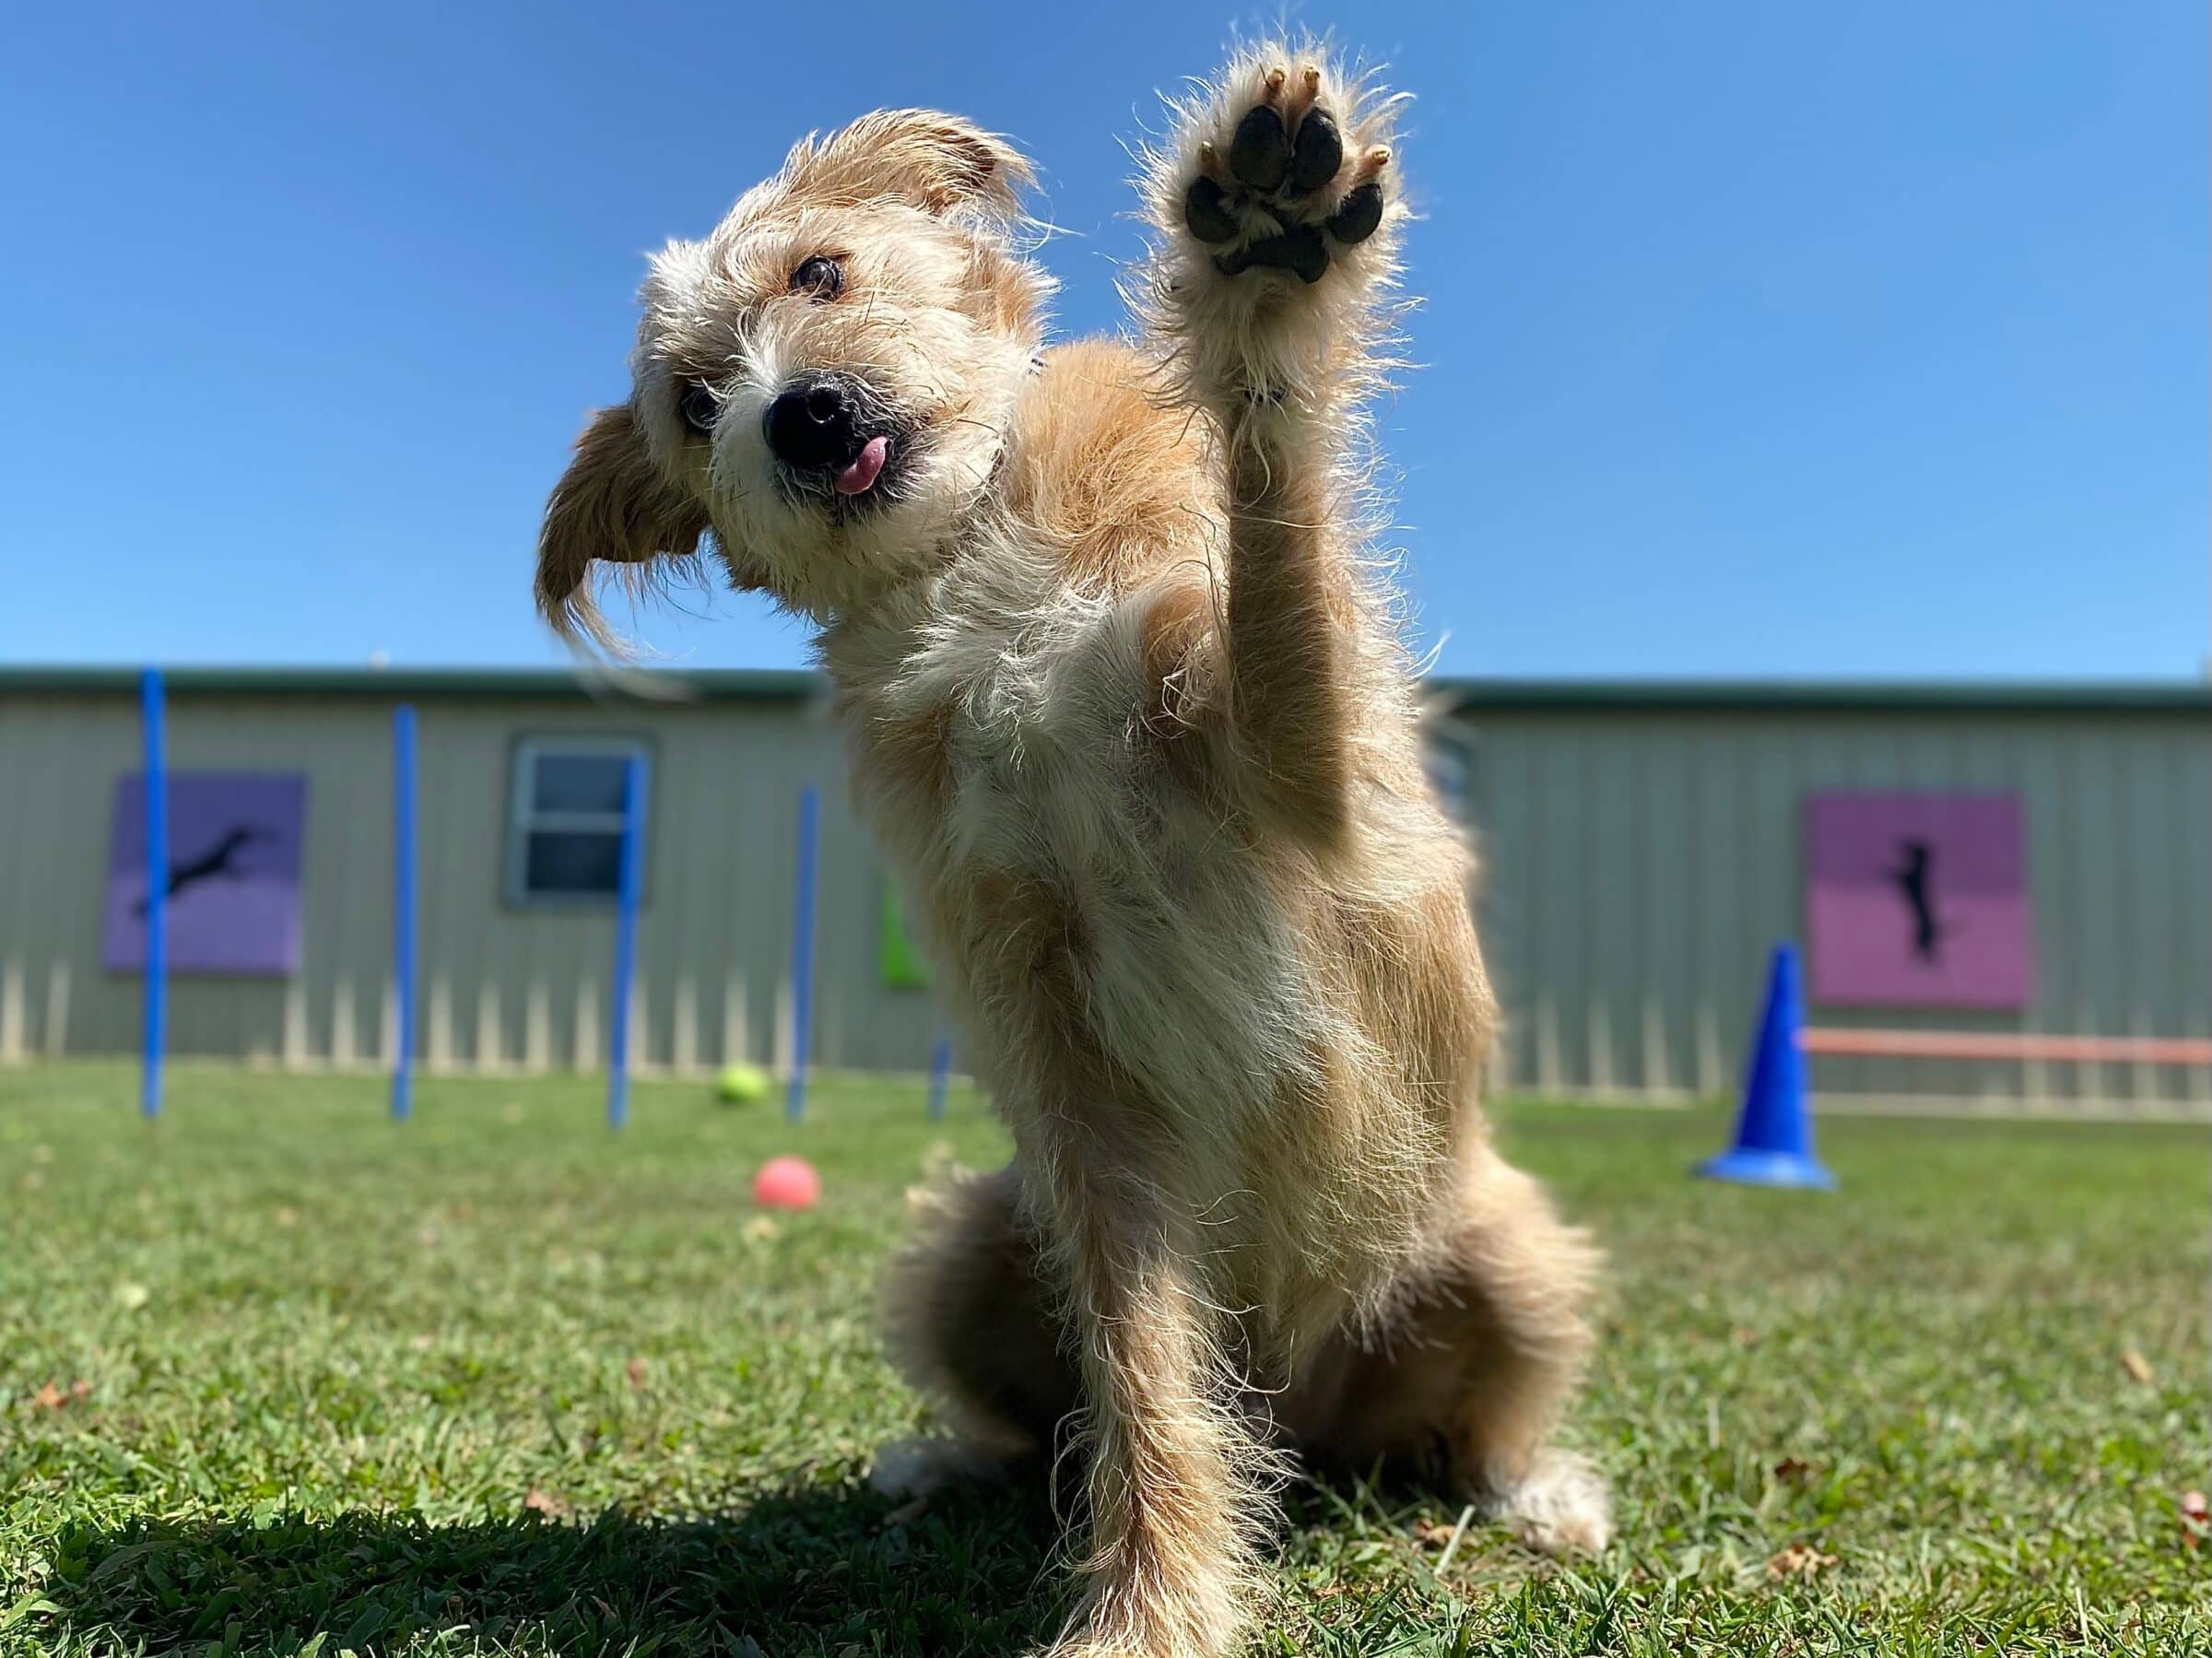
column 233, row 878
column 1918, row 900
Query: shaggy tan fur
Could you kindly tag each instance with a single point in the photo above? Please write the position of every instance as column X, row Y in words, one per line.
column 1130, row 712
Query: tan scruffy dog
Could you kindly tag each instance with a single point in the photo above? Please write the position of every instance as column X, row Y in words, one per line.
column 1130, row 711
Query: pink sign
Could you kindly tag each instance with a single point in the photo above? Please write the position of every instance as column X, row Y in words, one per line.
column 1918, row 900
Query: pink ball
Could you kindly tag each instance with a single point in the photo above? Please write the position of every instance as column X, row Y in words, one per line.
column 787, row 1184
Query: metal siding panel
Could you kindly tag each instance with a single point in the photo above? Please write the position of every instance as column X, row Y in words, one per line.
column 2143, row 887
column 1851, row 755
column 1634, row 863
column 1716, row 920
column 1609, row 817
column 1771, row 812
column 61, row 756
column 2047, row 790
column 1521, row 820
column 2186, row 758
column 1500, row 802
column 2087, row 875
column 1563, row 1001
column 1673, row 874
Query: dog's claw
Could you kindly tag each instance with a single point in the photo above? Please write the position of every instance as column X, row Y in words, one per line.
column 1299, row 249
column 1315, row 153
column 1359, row 214
column 1260, row 153
column 1205, row 212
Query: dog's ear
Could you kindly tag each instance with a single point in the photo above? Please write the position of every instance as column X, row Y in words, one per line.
column 938, row 163
column 611, row 504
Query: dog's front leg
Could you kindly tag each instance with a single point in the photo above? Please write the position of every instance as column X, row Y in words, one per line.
column 1275, row 206
column 1177, row 1482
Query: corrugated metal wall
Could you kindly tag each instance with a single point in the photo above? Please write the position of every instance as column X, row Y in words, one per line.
column 1639, row 867
column 502, row 987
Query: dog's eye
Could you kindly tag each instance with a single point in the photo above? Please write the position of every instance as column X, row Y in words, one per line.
column 820, row 277
column 697, row 406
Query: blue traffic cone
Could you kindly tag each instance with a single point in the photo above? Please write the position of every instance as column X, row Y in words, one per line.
column 1774, row 1135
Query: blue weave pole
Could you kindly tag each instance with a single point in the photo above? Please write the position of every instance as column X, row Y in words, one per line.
column 801, row 952
column 403, row 907
column 627, row 887
column 940, row 1077
column 153, row 716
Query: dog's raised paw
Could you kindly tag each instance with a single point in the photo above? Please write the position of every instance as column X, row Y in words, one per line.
column 1282, row 194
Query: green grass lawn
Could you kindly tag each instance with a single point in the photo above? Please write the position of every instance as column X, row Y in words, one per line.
column 279, row 1376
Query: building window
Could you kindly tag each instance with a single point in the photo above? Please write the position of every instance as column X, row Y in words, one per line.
column 564, row 819
column 1451, row 766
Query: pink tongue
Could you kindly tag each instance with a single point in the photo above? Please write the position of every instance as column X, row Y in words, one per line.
column 855, row 478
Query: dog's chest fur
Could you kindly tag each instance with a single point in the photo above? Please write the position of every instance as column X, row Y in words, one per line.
column 1077, row 893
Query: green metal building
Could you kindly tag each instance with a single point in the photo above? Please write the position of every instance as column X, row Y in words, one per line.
column 1643, row 847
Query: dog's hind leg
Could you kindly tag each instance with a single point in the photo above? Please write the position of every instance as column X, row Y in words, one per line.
column 1527, row 1278
column 1275, row 207
column 1476, row 1360
column 971, row 1322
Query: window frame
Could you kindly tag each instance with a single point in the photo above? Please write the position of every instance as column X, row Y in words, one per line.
column 523, row 819
column 1455, row 747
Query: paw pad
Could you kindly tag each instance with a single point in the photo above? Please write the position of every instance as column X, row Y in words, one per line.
column 1316, row 153
column 1360, row 215
column 1299, row 249
column 1286, row 169
column 1206, row 214
column 1260, row 153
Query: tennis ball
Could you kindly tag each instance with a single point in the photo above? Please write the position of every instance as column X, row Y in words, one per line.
column 741, row 1085
column 787, row 1183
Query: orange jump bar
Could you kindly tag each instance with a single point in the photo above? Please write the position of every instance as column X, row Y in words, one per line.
column 1995, row 1044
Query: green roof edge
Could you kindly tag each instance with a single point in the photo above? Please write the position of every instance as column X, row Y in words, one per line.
column 723, row 685
column 1466, row 696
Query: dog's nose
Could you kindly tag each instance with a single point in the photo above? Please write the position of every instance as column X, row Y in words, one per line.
column 812, row 424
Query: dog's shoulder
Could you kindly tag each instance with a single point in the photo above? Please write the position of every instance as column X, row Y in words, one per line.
column 1108, row 472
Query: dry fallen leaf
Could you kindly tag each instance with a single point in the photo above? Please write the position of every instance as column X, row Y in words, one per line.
column 761, row 1228
column 1745, row 1336
column 906, row 1513
column 2135, row 1365
column 50, row 1398
column 2196, row 1518
column 1798, row 1560
column 1432, row 1533
column 545, row 1503
column 635, row 1371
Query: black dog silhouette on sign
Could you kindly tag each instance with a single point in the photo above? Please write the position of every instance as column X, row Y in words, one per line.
column 1915, row 879
column 218, row 860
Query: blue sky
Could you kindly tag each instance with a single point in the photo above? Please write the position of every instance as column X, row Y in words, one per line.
column 1760, row 339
